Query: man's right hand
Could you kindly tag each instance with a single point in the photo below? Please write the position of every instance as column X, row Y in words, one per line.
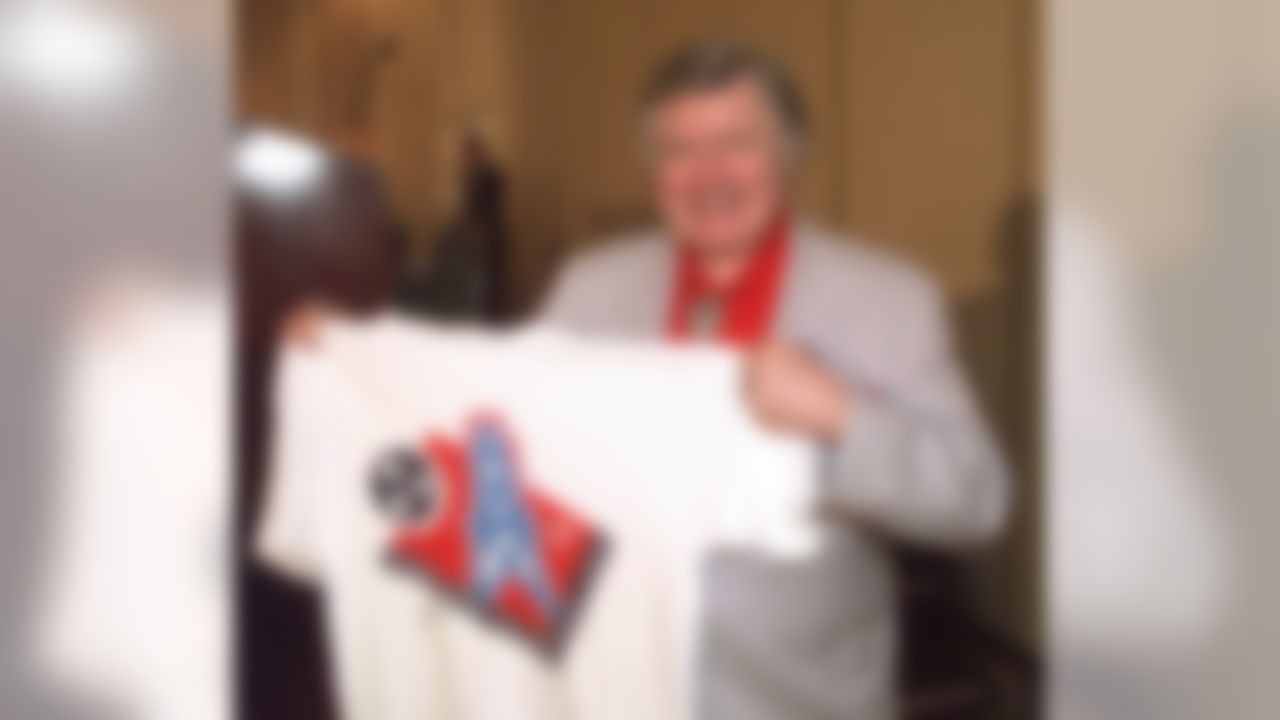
column 301, row 326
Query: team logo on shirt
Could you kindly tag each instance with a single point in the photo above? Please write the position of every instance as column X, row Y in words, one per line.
column 465, row 516
column 404, row 486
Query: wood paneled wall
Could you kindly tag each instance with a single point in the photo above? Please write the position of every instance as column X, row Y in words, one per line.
column 921, row 108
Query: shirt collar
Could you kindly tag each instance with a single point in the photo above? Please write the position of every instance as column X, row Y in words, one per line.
column 765, row 262
column 745, row 308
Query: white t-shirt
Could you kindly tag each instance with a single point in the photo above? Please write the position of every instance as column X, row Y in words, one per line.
column 649, row 443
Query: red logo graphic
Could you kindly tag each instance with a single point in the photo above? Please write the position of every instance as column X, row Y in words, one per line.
column 468, row 520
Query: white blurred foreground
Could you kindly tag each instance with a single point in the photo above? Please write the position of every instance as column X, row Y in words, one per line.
column 1163, row 148
column 134, row 611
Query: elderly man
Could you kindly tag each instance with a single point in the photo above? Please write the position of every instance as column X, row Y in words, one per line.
column 843, row 344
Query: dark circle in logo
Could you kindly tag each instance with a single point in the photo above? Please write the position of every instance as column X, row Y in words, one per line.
column 404, row 486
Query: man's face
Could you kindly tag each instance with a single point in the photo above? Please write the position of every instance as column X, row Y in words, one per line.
column 718, row 166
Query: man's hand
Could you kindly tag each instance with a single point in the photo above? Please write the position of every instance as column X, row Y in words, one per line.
column 301, row 325
column 789, row 390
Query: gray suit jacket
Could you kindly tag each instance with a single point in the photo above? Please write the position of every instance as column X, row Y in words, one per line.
column 815, row 640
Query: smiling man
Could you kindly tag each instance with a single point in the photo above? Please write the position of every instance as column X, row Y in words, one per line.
column 843, row 344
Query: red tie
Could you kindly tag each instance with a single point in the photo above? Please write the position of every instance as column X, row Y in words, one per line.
column 740, row 314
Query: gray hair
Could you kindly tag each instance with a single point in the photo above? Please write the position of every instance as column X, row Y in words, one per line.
column 712, row 64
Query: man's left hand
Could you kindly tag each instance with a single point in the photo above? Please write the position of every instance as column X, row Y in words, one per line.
column 788, row 389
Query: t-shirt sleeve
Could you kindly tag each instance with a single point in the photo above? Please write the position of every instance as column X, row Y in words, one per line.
column 286, row 535
column 761, row 490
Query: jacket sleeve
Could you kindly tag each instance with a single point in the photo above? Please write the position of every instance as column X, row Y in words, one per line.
column 569, row 302
column 915, row 459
